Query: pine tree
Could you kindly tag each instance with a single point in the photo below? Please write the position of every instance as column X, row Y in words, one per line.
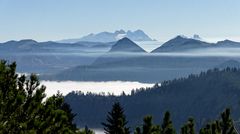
column 167, row 126
column 148, row 127
column 223, row 126
column 215, row 128
column 227, row 123
column 22, row 109
column 189, row 127
column 116, row 121
column 137, row 130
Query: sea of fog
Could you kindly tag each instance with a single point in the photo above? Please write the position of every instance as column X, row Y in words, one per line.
column 112, row 87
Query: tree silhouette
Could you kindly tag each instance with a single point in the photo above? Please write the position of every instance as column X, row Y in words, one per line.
column 148, row 127
column 22, row 109
column 227, row 123
column 223, row 126
column 189, row 127
column 167, row 126
column 116, row 121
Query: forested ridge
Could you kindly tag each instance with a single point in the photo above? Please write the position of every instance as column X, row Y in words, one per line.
column 201, row 96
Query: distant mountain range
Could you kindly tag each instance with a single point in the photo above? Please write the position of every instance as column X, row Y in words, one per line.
column 125, row 44
column 150, row 67
column 30, row 45
column 137, row 35
column 91, row 60
column 50, row 57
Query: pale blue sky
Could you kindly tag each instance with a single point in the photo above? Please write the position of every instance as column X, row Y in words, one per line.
column 162, row 19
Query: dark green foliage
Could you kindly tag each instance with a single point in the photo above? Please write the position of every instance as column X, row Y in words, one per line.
column 22, row 109
column 148, row 127
column 167, row 126
column 227, row 123
column 212, row 128
column 223, row 126
column 201, row 96
column 116, row 121
column 189, row 127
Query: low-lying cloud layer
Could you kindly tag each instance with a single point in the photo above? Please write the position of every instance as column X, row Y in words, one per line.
column 113, row 87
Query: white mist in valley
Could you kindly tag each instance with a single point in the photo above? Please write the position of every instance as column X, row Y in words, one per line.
column 112, row 87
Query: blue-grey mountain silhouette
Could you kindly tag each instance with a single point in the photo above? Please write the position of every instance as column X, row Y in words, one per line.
column 181, row 43
column 137, row 35
column 126, row 45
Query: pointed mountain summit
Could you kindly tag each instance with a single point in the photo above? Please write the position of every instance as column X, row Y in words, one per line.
column 126, row 45
column 181, row 43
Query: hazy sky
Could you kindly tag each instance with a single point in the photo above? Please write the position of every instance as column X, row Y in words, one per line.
column 162, row 19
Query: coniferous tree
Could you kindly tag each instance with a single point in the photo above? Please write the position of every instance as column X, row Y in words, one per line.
column 167, row 126
column 227, row 123
column 207, row 130
column 189, row 127
column 116, row 121
column 224, row 126
column 216, row 128
column 137, row 130
column 148, row 127
column 22, row 109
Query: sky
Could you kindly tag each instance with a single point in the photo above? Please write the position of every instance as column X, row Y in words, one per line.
column 45, row 20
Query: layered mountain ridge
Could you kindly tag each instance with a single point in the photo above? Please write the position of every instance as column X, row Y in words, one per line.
column 138, row 35
column 181, row 43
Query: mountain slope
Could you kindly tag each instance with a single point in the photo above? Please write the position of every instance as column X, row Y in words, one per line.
column 181, row 44
column 126, row 45
column 200, row 96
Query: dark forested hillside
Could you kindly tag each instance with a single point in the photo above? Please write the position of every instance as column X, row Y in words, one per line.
column 201, row 96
